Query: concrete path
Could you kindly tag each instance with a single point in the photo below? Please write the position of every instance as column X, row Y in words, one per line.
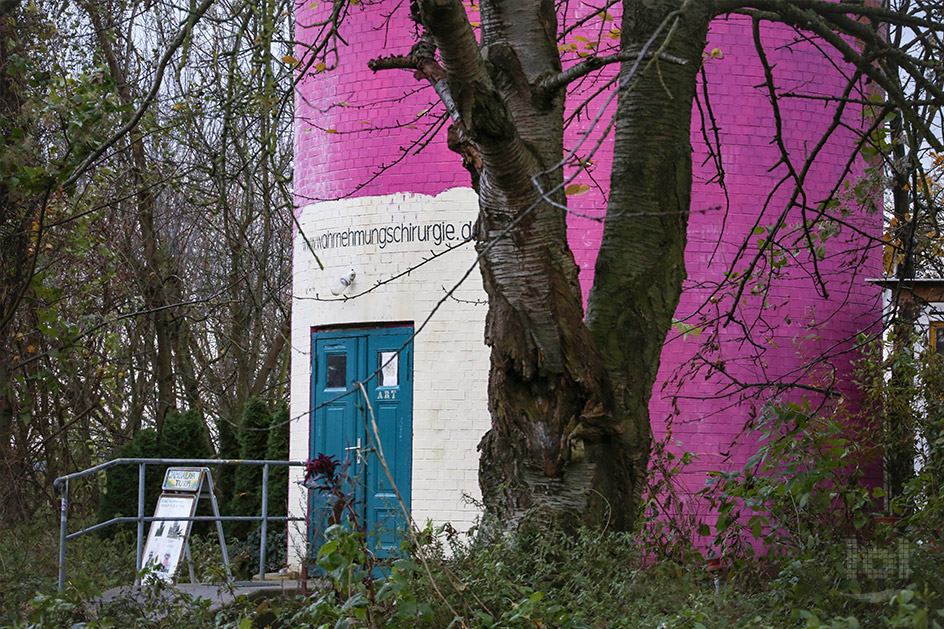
column 219, row 594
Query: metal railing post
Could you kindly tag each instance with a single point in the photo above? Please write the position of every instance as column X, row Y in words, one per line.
column 140, row 548
column 265, row 521
column 63, row 529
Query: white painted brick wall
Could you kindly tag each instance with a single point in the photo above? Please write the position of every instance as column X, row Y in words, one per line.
column 450, row 360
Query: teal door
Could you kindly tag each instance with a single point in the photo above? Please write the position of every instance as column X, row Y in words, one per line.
column 364, row 432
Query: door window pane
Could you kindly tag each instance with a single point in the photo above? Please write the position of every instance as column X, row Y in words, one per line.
column 336, row 371
column 389, row 376
column 937, row 337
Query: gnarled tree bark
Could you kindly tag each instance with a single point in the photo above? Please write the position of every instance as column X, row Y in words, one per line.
column 569, row 440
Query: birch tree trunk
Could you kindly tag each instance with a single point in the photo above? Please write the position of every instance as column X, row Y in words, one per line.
column 569, row 441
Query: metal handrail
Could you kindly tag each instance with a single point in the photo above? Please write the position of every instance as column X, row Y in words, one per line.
column 62, row 483
column 205, row 462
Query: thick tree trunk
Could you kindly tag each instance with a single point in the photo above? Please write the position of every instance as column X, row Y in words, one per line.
column 566, row 446
column 641, row 265
column 12, row 503
column 272, row 358
column 11, row 250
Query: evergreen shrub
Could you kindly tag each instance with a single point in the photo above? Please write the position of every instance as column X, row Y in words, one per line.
column 184, row 436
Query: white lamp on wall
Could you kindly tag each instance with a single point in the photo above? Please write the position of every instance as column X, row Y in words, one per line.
column 343, row 283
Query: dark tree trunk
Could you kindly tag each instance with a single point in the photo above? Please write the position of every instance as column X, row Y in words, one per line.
column 899, row 419
column 11, row 249
column 641, row 265
column 272, row 358
column 566, row 445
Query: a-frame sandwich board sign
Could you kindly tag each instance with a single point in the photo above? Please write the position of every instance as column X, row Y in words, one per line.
column 168, row 537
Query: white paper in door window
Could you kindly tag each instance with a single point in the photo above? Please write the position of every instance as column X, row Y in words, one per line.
column 388, row 372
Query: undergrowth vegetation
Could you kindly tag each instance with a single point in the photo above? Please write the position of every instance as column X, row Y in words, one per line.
column 29, row 559
column 803, row 536
column 591, row 579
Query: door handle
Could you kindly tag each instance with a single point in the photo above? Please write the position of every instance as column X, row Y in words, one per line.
column 357, row 450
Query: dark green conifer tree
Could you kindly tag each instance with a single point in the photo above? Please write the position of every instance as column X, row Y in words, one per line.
column 253, row 440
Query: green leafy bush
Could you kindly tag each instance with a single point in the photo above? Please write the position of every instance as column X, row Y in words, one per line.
column 803, row 484
column 224, row 476
column 120, row 496
column 29, row 555
column 245, row 553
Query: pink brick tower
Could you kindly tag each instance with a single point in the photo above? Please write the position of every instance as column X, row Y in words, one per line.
column 805, row 315
column 366, row 140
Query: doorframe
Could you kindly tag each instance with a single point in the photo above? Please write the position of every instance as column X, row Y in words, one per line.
column 364, row 330
column 341, row 328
